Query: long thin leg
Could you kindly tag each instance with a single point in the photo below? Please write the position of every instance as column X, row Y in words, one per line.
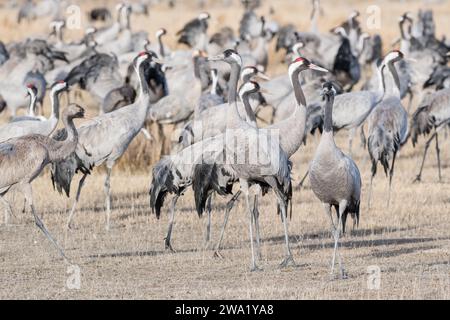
column 245, row 189
column 303, row 179
column 77, row 198
column 327, row 208
column 167, row 239
column 370, row 191
column 342, row 207
column 350, row 140
column 256, row 221
column 391, row 174
column 108, row 195
column 27, row 191
column 438, row 155
column 362, row 135
column 288, row 258
column 8, row 211
column 208, row 226
column 229, row 206
column 427, row 145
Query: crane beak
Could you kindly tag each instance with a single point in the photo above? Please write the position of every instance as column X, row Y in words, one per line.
column 262, row 76
column 159, row 61
column 219, row 57
column 411, row 60
column 262, row 90
column 317, row 68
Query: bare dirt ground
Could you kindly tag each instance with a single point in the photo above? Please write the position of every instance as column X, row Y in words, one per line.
column 409, row 241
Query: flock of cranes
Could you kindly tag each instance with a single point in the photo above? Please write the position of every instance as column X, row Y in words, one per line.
column 212, row 91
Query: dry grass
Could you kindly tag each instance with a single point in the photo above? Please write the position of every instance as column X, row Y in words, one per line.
column 410, row 241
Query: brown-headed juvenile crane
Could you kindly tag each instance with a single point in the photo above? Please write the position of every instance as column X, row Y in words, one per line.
column 335, row 178
column 23, row 159
column 104, row 139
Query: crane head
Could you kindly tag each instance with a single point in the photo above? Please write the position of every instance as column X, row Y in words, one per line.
column 59, row 86
column 31, row 90
column 73, row 111
column 230, row 56
column 300, row 64
column 248, row 88
column 204, row 16
column 328, row 89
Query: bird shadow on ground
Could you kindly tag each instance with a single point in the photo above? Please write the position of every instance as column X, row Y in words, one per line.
column 138, row 254
column 397, row 252
column 349, row 235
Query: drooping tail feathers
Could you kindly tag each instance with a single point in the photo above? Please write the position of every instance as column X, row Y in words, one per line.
column 208, row 178
column 62, row 172
column 382, row 145
column 163, row 182
column 421, row 123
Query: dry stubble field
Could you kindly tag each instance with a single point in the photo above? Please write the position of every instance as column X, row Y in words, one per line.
column 409, row 241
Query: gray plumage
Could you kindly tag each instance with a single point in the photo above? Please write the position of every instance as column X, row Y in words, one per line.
column 193, row 34
column 118, row 98
column 98, row 74
column 388, row 128
column 335, row 178
column 46, row 127
column 23, row 159
column 104, row 139
column 4, row 55
column 433, row 114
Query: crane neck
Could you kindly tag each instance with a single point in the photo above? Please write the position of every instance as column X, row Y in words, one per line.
column 144, row 89
column 233, row 117
column 328, row 121
column 161, row 46
column 54, row 101
column 249, row 113
column 233, row 83
column 298, row 92
column 32, row 105
column 60, row 150
column 395, row 90
column 381, row 82
column 214, row 83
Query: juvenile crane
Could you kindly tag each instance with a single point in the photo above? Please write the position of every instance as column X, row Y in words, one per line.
column 103, row 140
column 23, row 159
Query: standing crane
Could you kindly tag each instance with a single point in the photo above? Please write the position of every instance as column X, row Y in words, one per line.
column 388, row 126
column 104, row 139
column 23, row 159
column 335, row 178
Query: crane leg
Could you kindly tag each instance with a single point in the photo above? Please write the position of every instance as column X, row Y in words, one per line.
column 256, row 221
column 327, row 208
column 8, row 211
column 245, row 189
column 350, row 140
column 342, row 207
column 438, row 155
column 391, row 174
column 108, row 196
column 77, row 198
column 229, row 206
column 369, row 204
column 208, row 225
column 303, row 179
column 27, row 191
column 167, row 244
column 283, row 206
column 427, row 145
column 362, row 135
